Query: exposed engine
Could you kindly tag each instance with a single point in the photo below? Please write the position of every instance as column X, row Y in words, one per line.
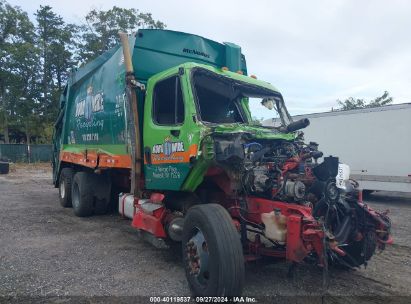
column 290, row 171
column 273, row 169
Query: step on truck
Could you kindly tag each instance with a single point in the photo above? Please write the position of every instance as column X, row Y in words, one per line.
column 164, row 126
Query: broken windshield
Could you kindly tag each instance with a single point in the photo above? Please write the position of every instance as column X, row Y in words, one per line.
column 223, row 100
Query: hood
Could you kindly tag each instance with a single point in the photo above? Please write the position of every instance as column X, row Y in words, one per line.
column 257, row 132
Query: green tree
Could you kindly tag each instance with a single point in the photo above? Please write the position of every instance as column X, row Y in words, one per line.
column 23, row 90
column 18, row 66
column 55, row 42
column 100, row 32
column 35, row 60
column 356, row 103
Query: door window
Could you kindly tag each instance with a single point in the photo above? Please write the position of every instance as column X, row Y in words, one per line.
column 168, row 105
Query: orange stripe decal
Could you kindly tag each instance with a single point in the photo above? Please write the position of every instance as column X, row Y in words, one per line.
column 96, row 160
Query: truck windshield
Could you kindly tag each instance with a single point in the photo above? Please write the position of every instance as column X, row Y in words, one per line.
column 268, row 107
column 224, row 100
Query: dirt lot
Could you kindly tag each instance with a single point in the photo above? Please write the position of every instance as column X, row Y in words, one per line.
column 46, row 251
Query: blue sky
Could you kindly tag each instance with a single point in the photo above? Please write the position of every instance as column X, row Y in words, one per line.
column 314, row 51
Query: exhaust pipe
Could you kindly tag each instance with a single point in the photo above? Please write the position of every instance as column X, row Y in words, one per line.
column 136, row 164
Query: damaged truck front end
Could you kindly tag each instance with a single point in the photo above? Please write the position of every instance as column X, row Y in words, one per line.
column 284, row 201
column 231, row 190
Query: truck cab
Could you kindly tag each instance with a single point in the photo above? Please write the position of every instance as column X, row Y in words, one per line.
column 185, row 105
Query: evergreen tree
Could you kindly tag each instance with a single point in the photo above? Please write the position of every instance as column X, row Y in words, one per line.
column 36, row 60
column 18, row 63
column 55, row 43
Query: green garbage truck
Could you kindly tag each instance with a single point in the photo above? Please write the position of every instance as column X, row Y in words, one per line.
column 163, row 127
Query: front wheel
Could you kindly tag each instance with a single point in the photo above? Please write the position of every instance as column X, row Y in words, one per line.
column 212, row 252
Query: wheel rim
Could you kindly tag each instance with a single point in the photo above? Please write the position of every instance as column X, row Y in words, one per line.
column 62, row 189
column 76, row 196
column 198, row 257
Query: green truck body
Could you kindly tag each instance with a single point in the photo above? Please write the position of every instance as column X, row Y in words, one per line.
column 94, row 117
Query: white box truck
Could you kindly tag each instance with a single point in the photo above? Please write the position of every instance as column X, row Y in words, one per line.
column 374, row 142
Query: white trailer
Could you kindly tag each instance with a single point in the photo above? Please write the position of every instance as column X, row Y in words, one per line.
column 375, row 143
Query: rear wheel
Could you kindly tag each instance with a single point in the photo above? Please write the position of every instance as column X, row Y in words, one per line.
column 65, row 181
column 82, row 194
column 212, row 252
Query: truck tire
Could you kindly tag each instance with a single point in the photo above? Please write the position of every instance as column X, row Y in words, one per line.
column 4, row 167
column 212, row 252
column 82, row 194
column 102, row 191
column 65, row 181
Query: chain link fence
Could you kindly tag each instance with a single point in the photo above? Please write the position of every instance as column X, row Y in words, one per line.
column 26, row 153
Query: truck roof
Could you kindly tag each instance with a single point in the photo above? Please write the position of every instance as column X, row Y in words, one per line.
column 229, row 74
column 154, row 51
column 157, row 50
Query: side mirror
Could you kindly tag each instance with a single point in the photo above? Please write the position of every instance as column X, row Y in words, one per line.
column 297, row 125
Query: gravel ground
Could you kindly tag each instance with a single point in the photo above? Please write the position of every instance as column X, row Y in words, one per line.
column 48, row 254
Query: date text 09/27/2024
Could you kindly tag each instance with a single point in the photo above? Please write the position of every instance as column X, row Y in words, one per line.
column 202, row 299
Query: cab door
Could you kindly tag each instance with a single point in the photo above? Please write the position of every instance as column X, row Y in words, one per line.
column 167, row 136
